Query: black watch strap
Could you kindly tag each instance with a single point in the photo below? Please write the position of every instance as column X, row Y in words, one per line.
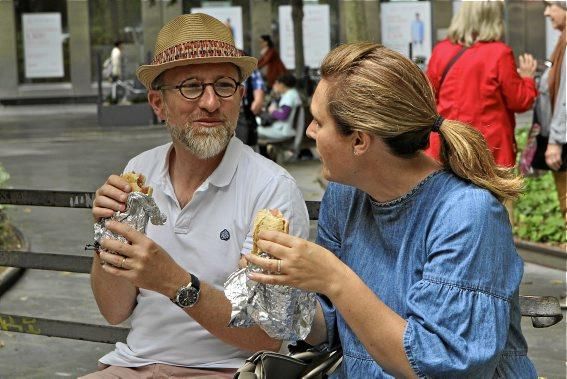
column 195, row 282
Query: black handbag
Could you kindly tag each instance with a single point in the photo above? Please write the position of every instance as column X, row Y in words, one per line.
column 311, row 364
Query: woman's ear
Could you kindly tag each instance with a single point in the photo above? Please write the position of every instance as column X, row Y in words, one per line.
column 361, row 142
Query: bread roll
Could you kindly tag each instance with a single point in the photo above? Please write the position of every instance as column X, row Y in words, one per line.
column 137, row 182
column 268, row 220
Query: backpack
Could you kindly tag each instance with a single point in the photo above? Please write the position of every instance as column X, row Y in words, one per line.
column 107, row 68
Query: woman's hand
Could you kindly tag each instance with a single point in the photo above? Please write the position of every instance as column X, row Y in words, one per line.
column 553, row 156
column 528, row 66
column 303, row 264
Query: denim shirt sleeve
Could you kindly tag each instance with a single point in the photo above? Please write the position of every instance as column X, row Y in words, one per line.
column 459, row 312
column 328, row 236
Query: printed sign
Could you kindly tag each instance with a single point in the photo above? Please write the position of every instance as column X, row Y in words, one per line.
column 230, row 16
column 316, row 34
column 43, row 45
column 407, row 23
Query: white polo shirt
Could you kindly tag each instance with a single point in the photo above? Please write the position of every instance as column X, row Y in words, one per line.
column 206, row 238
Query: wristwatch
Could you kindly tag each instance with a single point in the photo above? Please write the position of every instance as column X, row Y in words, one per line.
column 188, row 295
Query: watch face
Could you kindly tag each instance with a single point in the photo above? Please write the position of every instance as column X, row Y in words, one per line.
column 187, row 296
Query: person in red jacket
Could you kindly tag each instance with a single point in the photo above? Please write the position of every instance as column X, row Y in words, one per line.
column 476, row 80
column 270, row 62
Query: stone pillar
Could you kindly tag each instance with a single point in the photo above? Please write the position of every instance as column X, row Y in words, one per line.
column 261, row 20
column 441, row 14
column 154, row 15
column 8, row 54
column 81, row 63
column 359, row 20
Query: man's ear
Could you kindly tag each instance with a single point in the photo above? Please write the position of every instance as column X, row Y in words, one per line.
column 155, row 99
column 361, row 142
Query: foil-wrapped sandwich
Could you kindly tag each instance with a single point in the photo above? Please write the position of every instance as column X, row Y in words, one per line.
column 283, row 312
column 140, row 208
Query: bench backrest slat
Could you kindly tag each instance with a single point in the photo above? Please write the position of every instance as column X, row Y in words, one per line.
column 62, row 329
column 72, row 199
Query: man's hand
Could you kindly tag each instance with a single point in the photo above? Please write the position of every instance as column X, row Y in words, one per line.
column 111, row 197
column 142, row 262
column 553, row 156
column 528, row 66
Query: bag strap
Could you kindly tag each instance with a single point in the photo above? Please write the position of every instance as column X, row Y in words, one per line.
column 449, row 65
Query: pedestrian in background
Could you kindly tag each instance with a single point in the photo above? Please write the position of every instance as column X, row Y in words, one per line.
column 116, row 60
column 270, row 62
column 476, row 80
column 550, row 110
column 250, row 107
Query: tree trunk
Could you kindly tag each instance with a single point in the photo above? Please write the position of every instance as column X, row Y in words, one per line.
column 297, row 17
column 355, row 21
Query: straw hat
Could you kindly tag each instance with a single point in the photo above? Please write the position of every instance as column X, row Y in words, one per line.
column 193, row 39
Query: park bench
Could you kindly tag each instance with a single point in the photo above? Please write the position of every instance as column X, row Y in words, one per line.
column 544, row 311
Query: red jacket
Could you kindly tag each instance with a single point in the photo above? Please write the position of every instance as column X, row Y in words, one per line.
column 274, row 66
column 482, row 89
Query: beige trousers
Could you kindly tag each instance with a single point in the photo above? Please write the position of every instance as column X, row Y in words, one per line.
column 158, row 371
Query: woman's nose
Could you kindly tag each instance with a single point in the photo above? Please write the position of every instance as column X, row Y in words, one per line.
column 311, row 130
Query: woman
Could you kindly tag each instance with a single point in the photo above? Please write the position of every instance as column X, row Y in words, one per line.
column 281, row 114
column 482, row 87
column 551, row 153
column 415, row 261
column 270, row 62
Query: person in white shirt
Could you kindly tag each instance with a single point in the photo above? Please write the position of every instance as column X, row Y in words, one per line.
column 210, row 185
column 282, row 113
column 116, row 61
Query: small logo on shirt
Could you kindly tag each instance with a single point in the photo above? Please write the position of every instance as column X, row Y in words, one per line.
column 225, row 235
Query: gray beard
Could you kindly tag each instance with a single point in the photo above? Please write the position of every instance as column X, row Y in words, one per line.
column 202, row 142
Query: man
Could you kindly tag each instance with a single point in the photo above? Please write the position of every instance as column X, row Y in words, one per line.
column 210, row 186
column 252, row 103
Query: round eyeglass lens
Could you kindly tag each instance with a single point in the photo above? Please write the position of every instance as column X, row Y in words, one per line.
column 225, row 87
column 194, row 88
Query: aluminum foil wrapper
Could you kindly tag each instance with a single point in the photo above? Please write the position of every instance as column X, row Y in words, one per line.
column 140, row 209
column 283, row 312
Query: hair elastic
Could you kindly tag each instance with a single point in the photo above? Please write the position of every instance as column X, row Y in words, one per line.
column 437, row 124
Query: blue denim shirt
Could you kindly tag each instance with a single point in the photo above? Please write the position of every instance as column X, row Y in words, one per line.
column 443, row 258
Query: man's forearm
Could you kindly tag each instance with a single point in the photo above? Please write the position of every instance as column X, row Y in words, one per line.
column 213, row 313
column 115, row 297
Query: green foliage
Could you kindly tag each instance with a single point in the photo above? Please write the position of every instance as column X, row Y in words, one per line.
column 537, row 216
column 7, row 238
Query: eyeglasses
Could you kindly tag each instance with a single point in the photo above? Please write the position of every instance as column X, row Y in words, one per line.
column 194, row 88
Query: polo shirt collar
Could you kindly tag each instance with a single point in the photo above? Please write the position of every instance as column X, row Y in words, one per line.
column 224, row 173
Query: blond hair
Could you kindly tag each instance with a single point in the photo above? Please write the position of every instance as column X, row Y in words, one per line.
column 477, row 21
column 376, row 90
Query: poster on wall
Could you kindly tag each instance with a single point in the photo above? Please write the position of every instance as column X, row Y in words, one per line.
column 230, row 16
column 405, row 23
column 316, row 34
column 43, row 45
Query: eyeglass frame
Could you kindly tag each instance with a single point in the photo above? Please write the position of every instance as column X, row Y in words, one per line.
column 203, row 87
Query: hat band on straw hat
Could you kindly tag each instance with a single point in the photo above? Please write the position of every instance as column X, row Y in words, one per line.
column 197, row 49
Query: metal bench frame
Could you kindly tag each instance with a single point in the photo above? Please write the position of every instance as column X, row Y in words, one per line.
column 544, row 311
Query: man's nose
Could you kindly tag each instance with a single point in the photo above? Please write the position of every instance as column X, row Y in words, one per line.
column 209, row 100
